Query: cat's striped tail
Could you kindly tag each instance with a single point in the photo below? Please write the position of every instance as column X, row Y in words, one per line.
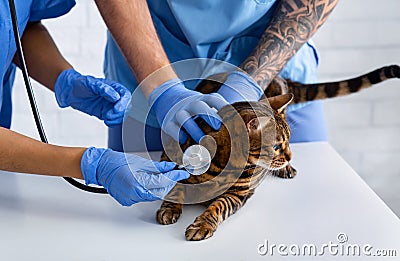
column 319, row 91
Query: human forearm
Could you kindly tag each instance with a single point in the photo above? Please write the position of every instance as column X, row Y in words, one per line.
column 131, row 25
column 19, row 153
column 293, row 23
column 43, row 59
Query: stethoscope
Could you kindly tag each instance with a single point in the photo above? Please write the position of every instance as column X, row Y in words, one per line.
column 196, row 159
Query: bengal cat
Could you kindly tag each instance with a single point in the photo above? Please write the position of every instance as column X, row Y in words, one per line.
column 242, row 172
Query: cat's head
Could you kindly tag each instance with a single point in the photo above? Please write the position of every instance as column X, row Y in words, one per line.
column 254, row 135
column 282, row 153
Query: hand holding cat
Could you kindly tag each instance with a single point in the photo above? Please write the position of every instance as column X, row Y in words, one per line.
column 174, row 106
column 103, row 98
column 239, row 86
column 128, row 178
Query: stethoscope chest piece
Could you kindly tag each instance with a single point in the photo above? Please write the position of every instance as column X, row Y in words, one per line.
column 196, row 160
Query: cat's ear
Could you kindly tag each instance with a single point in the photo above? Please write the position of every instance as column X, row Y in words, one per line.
column 256, row 125
column 280, row 102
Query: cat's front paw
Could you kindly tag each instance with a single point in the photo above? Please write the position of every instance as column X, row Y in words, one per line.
column 287, row 172
column 167, row 216
column 199, row 231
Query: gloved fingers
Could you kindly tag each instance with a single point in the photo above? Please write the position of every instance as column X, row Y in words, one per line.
column 148, row 196
column 147, row 181
column 103, row 108
column 230, row 94
column 142, row 165
column 125, row 201
column 105, row 91
column 164, row 166
column 116, row 114
column 134, row 197
column 161, row 193
column 193, row 129
column 137, row 163
column 158, row 186
column 124, row 102
column 183, row 137
column 208, row 114
column 138, row 195
column 153, row 181
column 173, row 130
column 215, row 100
column 113, row 112
column 176, row 175
column 114, row 122
column 125, row 95
column 185, row 120
column 142, row 194
column 114, row 118
column 130, row 187
column 240, row 87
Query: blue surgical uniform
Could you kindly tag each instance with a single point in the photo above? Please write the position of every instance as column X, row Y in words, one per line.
column 27, row 11
column 226, row 30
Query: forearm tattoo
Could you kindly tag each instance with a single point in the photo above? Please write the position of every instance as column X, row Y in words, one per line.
column 293, row 23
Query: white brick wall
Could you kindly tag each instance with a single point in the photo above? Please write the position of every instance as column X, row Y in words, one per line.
column 360, row 35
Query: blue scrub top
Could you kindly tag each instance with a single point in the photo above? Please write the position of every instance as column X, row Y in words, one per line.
column 27, row 11
column 226, row 30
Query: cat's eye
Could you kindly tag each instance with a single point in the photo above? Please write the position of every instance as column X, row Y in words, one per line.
column 277, row 147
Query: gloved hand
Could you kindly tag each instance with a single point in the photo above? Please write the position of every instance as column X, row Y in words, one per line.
column 129, row 178
column 240, row 87
column 103, row 98
column 174, row 106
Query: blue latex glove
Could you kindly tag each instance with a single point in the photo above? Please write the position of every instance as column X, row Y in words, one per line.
column 240, row 87
column 103, row 98
column 175, row 106
column 129, row 178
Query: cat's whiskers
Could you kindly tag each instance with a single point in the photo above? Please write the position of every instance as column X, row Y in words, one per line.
column 292, row 123
column 278, row 168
